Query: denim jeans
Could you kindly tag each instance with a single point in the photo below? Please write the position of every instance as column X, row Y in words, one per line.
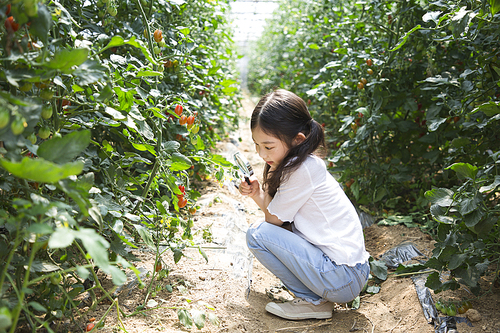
column 303, row 268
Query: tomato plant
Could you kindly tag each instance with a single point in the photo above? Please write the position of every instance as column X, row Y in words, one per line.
column 88, row 73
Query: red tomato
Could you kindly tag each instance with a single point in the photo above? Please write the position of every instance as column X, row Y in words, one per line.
column 190, row 120
column 182, row 188
column 7, row 11
column 369, row 62
column 157, row 35
column 183, row 120
column 178, row 109
column 182, row 202
column 90, row 327
column 10, row 25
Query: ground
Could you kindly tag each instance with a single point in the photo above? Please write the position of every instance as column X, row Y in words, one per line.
column 220, row 286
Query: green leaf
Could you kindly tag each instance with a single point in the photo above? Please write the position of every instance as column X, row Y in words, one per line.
column 494, row 6
column 40, row 170
column 41, row 24
column 490, row 109
column 170, row 146
column 37, row 306
column 148, row 73
column 435, row 284
column 405, row 37
column 65, row 60
column 117, row 115
column 440, row 196
column 314, row 46
column 180, row 162
column 66, row 148
column 198, row 318
column 378, row 268
column 96, row 245
column 183, row 30
column 89, row 72
column 221, row 160
column 464, row 170
column 185, row 318
column 145, row 235
column 203, row 254
column 119, row 41
column 61, row 238
column 457, row 260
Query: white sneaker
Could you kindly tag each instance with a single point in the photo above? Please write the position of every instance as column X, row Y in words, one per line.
column 299, row 309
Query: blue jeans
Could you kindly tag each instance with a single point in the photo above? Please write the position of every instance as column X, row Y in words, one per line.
column 303, row 268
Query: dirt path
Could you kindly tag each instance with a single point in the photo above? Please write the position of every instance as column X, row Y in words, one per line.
column 220, row 286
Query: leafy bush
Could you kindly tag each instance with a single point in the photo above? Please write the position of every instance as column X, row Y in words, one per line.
column 108, row 111
column 404, row 90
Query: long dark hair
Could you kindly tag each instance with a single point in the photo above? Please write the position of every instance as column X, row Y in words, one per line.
column 283, row 114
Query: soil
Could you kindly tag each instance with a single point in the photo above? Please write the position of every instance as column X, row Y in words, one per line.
column 220, row 286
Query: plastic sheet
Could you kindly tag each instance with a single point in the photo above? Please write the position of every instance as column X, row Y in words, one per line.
column 406, row 251
column 401, row 253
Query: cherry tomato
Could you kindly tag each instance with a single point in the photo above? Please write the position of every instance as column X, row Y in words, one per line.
column 369, row 62
column 389, row 18
column 182, row 202
column 451, row 310
column 461, row 309
column 44, row 133
column 32, row 138
column 56, row 279
column 90, row 327
column 17, row 126
column 363, row 80
column 10, row 25
column 456, row 119
column 4, row 117
column 360, row 85
column 157, row 35
column 192, row 210
column 439, row 305
column 46, row 94
column 190, row 120
column 369, row 71
column 349, row 183
column 183, row 120
column 182, row 188
column 158, row 267
column 46, row 112
column 65, row 102
column 467, row 305
column 178, row 109
column 92, row 319
column 26, row 87
column 157, row 50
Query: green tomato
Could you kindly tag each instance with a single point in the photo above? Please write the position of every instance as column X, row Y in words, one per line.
column 17, row 126
column 32, row 138
column 47, row 112
column 156, row 50
column 451, row 310
column 4, row 117
column 26, row 87
column 112, row 10
column 44, row 132
column 46, row 94
column 56, row 279
column 439, row 306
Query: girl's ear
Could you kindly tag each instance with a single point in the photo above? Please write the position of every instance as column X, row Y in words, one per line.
column 299, row 138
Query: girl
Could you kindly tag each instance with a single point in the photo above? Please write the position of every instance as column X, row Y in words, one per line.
column 323, row 259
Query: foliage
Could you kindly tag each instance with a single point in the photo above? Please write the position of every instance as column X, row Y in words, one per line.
column 404, row 89
column 95, row 159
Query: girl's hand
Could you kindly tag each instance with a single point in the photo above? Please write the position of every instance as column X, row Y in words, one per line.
column 250, row 190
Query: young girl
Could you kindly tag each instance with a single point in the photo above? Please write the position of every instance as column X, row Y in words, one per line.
column 323, row 259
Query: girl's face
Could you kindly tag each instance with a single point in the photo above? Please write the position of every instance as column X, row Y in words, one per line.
column 270, row 149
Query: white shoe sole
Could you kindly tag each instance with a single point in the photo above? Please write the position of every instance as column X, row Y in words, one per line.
column 276, row 310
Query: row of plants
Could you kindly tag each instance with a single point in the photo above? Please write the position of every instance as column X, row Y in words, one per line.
column 408, row 93
column 108, row 113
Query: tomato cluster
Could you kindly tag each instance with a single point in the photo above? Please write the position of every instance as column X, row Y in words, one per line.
column 182, row 201
column 449, row 308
